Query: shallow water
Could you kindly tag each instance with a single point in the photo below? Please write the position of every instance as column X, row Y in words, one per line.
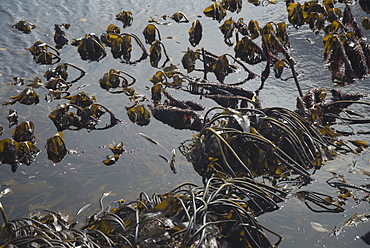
column 81, row 177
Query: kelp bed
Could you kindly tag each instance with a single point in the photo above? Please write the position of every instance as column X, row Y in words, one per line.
column 251, row 158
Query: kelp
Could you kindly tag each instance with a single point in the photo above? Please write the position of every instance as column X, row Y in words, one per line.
column 57, row 83
column 111, row 33
column 114, row 79
column 219, row 65
column 155, row 53
column 12, row 117
column 56, row 147
column 346, row 52
column 24, row 26
column 182, row 103
column 56, row 88
column 249, row 51
column 365, row 6
column 28, row 97
column 322, row 201
column 189, row 59
column 150, row 32
column 272, row 142
column 24, row 132
column 125, row 17
column 117, row 150
column 188, row 215
column 352, row 221
column 216, row 11
column 177, row 117
column 60, row 37
column 195, row 33
column 21, row 148
column 16, row 153
column 138, row 114
column 224, row 95
column 232, row 150
column 44, row 54
column 121, row 48
column 318, row 109
column 121, row 45
column 178, row 17
column 357, row 192
column 62, row 71
column 166, row 74
column 87, row 115
column 232, row 5
column 227, row 29
column 90, row 47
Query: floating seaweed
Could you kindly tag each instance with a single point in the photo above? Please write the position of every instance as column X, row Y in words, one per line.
column 60, row 37
column 177, row 117
column 87, row 115
column 149, row 33
column 346, row 52
column 224, row 95
column 28, row 97
column 90, row 47
column 178, row 17
column 12, row 117
column 219, row 65
column 216, row 11
column 24, row 132
column 113, row 80
column 117, row 151
column 181, row 103
column 352, row 221
column 322, row 201
column 56, row 147
column 21, row 148
column 125, row 17
column 24, row 26
column 155, row 53
column 120, row 44
column 195, row 33
column 240, row 144
column 138, row 114
column 110, row 34
column 273, row 142
column 41, row 55
column 365, row 6
column 61, row 71
column 322, row 111
column 188, row 215
column 232, row 5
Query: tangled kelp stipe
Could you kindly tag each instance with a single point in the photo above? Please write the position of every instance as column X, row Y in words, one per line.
column 221, row 214
column 273, row 142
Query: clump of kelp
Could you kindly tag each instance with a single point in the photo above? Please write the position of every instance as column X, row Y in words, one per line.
column 346, row 52
column 187, row 216
column 21, row 148
column 250, row 158
column 222, row 213
column 272, row 142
